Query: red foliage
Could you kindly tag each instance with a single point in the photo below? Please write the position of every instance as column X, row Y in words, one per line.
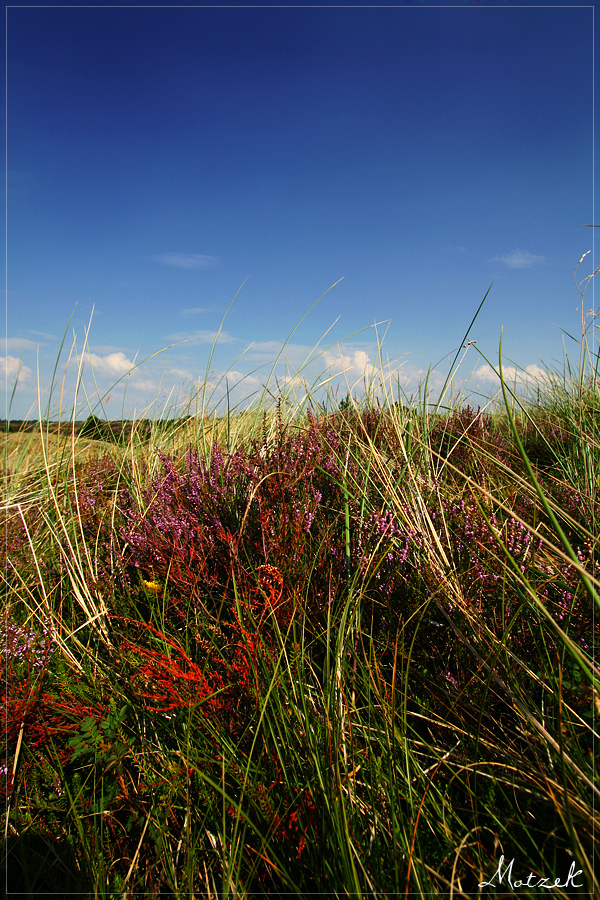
column 297, row 806
column 255, row 639
column 172, row 682
column 44, row 720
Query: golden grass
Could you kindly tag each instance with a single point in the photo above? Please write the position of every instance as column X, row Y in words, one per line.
column 24, row 453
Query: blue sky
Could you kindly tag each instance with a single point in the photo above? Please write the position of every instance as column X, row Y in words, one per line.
column 160, row 158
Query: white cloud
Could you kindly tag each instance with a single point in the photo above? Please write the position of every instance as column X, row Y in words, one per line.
column 293, row 381
column 18, row 344
column 104, row 349
column 186, row 260
column 410, row 376
column 184, row 374
column 512, row 375
column 42, row 334
column 357, row 363
column 518, row 259
column 268, row 351
column 115, row 364
column 270, row 347
column 9, row 366
column 296, row 355
column 234, row 377
column 144, row 384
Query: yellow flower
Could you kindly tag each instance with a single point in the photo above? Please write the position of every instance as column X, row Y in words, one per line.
column 152, row 586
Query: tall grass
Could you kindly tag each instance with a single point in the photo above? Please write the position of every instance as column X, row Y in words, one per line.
column 344, row 649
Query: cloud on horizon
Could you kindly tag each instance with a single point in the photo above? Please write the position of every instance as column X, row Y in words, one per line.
column 186, row 260
column 144, row 384
column 11, row 365
column 266, row 352
column 512, row 375
column 184, row 374
column 358, row 363
column 104, row 349
column 518, row 259
column 115, row 364
column 234, row 377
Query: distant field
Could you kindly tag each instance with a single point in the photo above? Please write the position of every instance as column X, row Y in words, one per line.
column 22, row 451
column 116, row 428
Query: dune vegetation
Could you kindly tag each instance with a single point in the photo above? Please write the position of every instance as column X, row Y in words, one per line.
column 342, row 648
